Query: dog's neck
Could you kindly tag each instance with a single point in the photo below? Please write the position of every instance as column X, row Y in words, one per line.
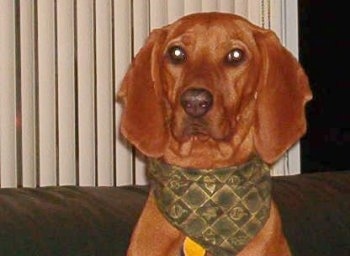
column 221, row 209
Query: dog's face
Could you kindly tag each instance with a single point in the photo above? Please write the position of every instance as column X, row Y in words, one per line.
column 204, row 72
column 213, row 90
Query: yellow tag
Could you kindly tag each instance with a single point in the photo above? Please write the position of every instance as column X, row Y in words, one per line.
column 191, row 248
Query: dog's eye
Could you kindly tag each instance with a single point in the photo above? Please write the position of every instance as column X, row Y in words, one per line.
column 177, row 55
column 235, row 57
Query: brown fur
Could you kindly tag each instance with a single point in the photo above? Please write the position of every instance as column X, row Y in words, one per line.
column 258, row 109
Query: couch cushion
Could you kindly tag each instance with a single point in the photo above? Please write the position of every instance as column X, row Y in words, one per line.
column 315, row 210
column 68, row 220
column 93, row 221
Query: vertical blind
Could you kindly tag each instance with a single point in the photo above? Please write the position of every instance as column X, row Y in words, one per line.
column 61, row 64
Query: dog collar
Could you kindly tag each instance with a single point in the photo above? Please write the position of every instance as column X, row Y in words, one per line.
column 220, row 209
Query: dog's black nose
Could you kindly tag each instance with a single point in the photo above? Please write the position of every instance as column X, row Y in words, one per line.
column 196, row 101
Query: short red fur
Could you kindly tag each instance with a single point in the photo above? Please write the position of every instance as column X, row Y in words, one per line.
column 258, row 109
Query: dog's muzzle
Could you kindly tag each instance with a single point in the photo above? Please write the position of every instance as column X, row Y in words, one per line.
column 220, row 209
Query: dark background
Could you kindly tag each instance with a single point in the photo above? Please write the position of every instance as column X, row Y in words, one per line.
column 324, row 53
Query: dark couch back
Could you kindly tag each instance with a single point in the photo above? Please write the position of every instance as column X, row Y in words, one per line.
column 93, row 221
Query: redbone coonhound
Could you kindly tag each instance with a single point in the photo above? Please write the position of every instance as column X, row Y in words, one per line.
column 211, row 90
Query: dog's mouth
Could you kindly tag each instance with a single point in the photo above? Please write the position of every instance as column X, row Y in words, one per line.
column 199, row 116
column 196, row 129
column 202, row 130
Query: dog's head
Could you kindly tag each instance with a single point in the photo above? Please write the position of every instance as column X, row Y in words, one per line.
column 213, row 90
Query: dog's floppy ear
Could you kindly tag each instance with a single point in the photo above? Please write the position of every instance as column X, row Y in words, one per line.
column 282, row 93
column 143, row 118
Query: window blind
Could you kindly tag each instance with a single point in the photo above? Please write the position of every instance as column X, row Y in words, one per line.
column 62, row 63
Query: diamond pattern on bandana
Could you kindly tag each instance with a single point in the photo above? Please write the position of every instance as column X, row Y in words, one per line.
column 209, row 184
column 179, row 212
column 221, row 209
column 209, row 211
column 226, row 198
column 225, row 226
column 195, row 196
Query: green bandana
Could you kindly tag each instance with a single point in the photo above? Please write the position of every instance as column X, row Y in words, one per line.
column 221, row 209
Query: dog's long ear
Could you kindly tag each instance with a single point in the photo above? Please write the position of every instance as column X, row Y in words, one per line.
column 143, row 118
column 282, row 93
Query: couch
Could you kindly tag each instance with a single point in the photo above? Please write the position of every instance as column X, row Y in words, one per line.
column 93, row 221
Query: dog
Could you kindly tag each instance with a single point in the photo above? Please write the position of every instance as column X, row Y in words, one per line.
column 208, row 91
